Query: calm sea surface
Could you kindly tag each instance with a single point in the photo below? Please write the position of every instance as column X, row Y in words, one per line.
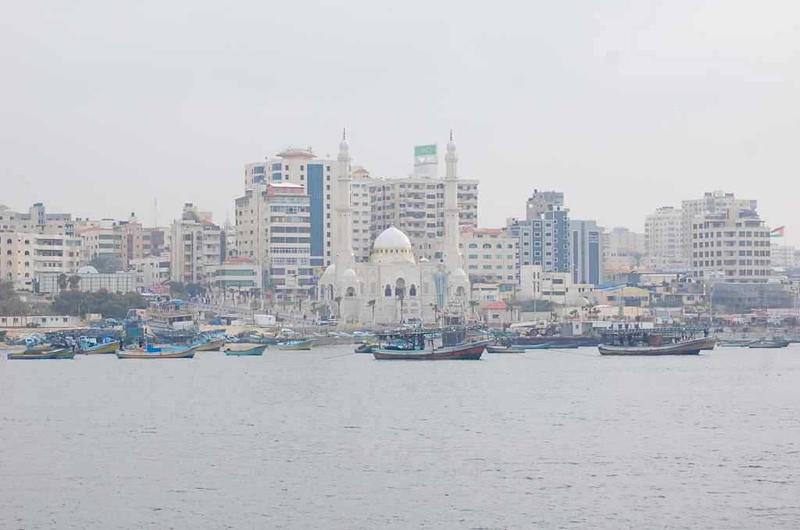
column 328, row 439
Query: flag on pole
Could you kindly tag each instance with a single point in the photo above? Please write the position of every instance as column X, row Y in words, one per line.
column 777, row 232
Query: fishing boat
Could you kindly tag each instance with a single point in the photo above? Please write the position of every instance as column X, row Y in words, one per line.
column 470, row 351
column 555, row 341
column 709, row 343
column 107, row 347
column 242, row 350
column 688, row 347
column 735, row 343
column 503, row 349
column 211, row 345
column 296, row 345
column 364, row 348
column 59, row 353
column 768, row 344
column 187, row 353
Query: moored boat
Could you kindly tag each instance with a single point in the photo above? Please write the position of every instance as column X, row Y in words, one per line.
column 107, row 347
column 768, row 344
column 296, row 345
column 543, row 346
column 59, row 353
column 470, row 351
column 145, row 354
column 735, row 343
column 211, row 345
column 242, row 350
column 688, row 347
column 708, row 343
column 503, row 349
column 364, row 348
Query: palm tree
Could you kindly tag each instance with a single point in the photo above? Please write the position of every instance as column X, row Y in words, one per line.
column 74, row 281
column 62, row 282
column 371, row 305
column 435, row 308
column 401, row 296
column 338, row 301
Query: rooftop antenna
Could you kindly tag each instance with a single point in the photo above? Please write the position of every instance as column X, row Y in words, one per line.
column 155, row 212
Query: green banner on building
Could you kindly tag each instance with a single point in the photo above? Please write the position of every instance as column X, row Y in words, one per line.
column 425, row 150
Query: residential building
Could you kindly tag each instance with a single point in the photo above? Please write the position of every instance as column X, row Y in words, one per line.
column 587, row 256
column 361, row 208
column 98, row 242
column 195, row 246
column 36, row 220
column 623, row 251
column 151, row 272
column 302, row 166
column 24, row 256
column 274, row 229
column 557, row 287
column 663, row 239
column 237, row 275
column 711, row 203
column 490, row 257
column 784, row 256
column 731, row 246
column 544, row 236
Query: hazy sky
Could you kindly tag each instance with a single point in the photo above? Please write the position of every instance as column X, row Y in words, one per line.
column 624, row 105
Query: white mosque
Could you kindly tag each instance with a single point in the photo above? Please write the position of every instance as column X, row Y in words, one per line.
column 393, row 287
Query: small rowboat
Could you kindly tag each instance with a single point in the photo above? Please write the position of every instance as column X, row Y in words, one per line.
column 296, row 345
column 463, row 352
column 504, row 349
column 212, row 345
column 108, row 347
column 143, row 354
column 768, row 344
column 689, row 347
column 545, row 346
column 241, row 350
column 60, row 353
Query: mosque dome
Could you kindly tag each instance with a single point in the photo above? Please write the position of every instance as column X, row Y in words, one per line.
column 349, row 276
column 87, row 269
column 392, row 246
column 459, row 274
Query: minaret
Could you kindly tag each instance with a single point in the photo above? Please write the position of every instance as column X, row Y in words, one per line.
column 452, row 259
column 343, row 242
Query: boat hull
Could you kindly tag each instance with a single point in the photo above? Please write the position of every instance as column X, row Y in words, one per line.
column 213, row 345
column 769, row 344
column 708, row 343
column 462, row 352
column 556, row 341
column 504, row 349
column 304, row 345
column 109, row 347
column 252, row 351
column 690, row 347
column 35, row 356
column 183, row 354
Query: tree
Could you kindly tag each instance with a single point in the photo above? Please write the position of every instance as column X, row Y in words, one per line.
column 110, row 305
column 62, row 282
column 106, row 263
column 10, row 302
column 74, row 282
column 338, row 301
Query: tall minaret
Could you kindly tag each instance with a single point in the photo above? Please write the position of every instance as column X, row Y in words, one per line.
column 343, row 242
column 452, row 259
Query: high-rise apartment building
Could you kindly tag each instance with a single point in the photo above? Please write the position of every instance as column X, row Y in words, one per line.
column 587, row 256
column 710, row 203
column 545, row 235
column 663, row 239
column 732, row 246
column 24, row 256
column 195, row 246
column 490, row 256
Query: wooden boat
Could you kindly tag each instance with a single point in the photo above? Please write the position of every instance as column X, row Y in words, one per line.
column 296, row 345
column 543, row 346
column 736, row 343
column 504, row 349
column 768, row 344
column 689, row 347
column 108, row 347
column 60, row 353
column 241, row 350
column 470, row 351
column 709, row 343
column 144, row 354
column 555, row 341
column 212, row 345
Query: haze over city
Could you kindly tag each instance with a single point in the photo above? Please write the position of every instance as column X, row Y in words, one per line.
column 625, row 106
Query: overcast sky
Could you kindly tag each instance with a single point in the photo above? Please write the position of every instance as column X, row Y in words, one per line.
column 623, row 105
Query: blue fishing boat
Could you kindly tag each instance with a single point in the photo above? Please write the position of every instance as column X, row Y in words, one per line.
column 241, row 350
column 305, row 345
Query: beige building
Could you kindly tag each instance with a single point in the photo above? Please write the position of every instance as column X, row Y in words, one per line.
column 663, row 239
column 711, row 203
column 25, row 256
column 36, row 220
column 731, row 246
column 491, row 256
column 151, row 271
column 195, row 246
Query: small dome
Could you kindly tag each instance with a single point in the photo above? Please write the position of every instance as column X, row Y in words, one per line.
column 329, row 275
column 87, row 269
column 349, row 276
column 459, row 274
column 392, row 238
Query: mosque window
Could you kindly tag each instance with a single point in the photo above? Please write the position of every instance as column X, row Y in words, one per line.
column 388, row 290
column 412, row 291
